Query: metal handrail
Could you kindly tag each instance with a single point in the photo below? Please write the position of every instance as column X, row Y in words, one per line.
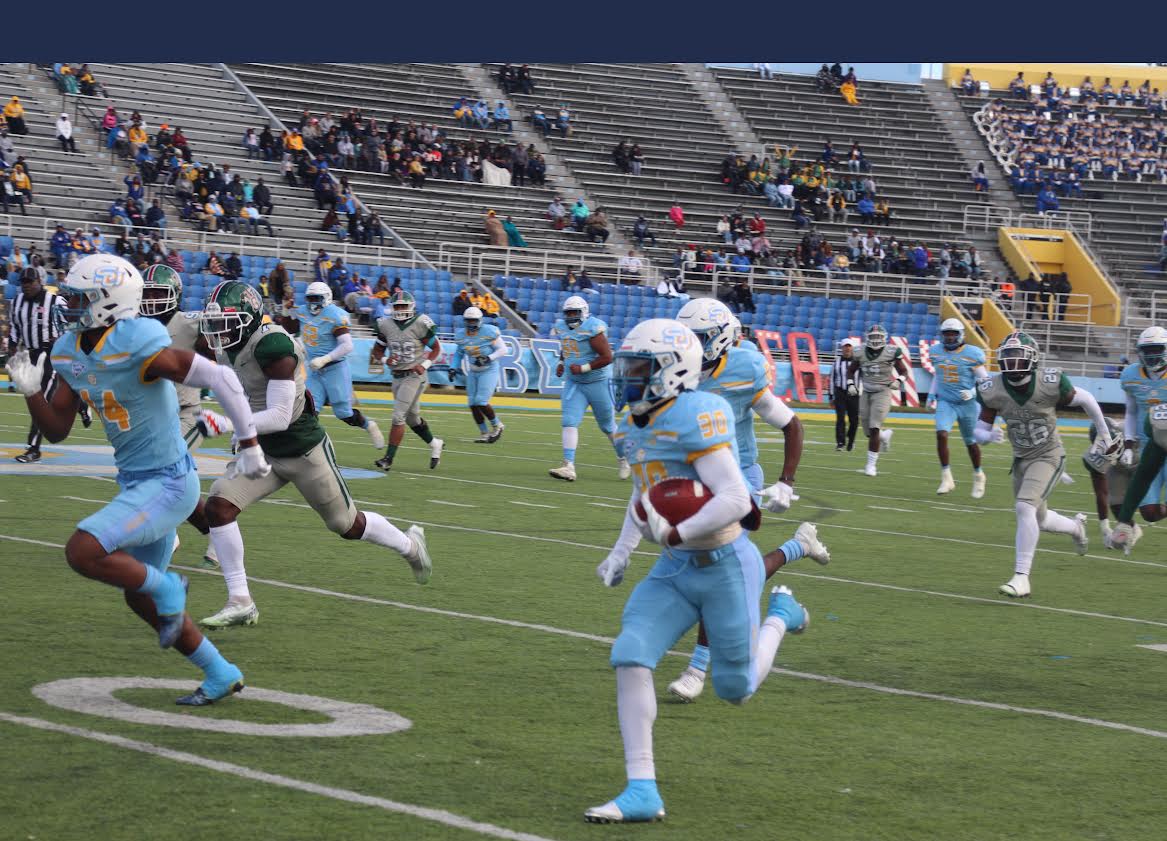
column 179, row 237
column 377, row 254
column 482, row 261
column 986, row 217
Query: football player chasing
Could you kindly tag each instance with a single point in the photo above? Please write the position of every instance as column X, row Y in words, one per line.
column 1028, row 400
column 412, row 342
column 738, row 375
column 270, row 364
column 1109, row 477
column 481, row 346
column 1152, row 462
column 119, row 364
column 958, row 369
column 877, row 364
column 324, row 331
column 1145, row 384
column 708, row 569
column 584, row 357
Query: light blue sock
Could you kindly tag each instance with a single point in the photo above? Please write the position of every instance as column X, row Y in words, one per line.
column 365, row 425
column 482, row 427
column 700, row 658
column 495, row 422
column 569, row 454
column 792, row 549
column 206, row 657
column 616, row 447
column 154, row 582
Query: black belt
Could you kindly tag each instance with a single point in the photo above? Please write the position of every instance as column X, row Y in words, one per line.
column 408, row 372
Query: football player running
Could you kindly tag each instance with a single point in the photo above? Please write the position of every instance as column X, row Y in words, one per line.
column 584, row 356
column 324, row 331
column 1145, row 384
column 1109, row 477
column 958, row 368
column 877, row 364
column 739, row 376
column 161, row 293
column 412, row 343
column 707, row 569
column 1152, row 462
column 481, row 346
column 119, row 363
column 270, row 365
column 1028, row 400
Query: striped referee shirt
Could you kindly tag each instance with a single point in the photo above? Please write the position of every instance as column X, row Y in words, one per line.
column 36, row 322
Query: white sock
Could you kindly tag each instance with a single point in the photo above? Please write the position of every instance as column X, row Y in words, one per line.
column 1059, row 523
column 228, row 545
column 946, row 472
column 382, row 532
column 872, row 458
column 769, row 638
column 570, row 441
column 1027, row 533
column 636, row 705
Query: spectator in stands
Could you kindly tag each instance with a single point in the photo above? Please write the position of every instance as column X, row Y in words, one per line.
column 641, row 232
column 134, row 188
column 557, row 213
column 837, row 207
column 507, row 78
column 331, row 224
column 501, row 119
column 337, row 277
column 579, row 215
column 967, row 83
column 536, row 167
column 828, row 154
column 234, row 266
column 155, row 215
column 519, row 165
column 1046, row 200
column 849, row 88
column 980, row 178
column 920, row 263
column 799, row 215
column 65, row 134
column 724, row 229
column 1029, row 296
column 563, row 122
column 882, row 212
column 671, row 287
column 14, row 117
column 486, row 303
column 251, row 144
column 215, row 266
column 60, row 244
column 740, row 298
column 514, row 238
column 19, row 187
column 1018, row 87
column 539, row 120
column 494, row 230
column 1061, row 290
column 597, row 226
column 526, row 84
column 677, row 215
column 251, row 216
column 460, row 304
column 866, row 209
column 416, row 172
column 825, row 81
column 631, row 268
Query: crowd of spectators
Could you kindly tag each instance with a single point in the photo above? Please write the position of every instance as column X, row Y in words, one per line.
column 833, row 80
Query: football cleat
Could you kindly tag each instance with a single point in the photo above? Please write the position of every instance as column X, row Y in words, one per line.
column 86, row 418
column 838, row 448
column 947, row 483
column 483, row 438
column 376, row 436
column 419, row 556
column 496, row 433
column 784, row 606
column 869, row 470
column 1016, row 587
column 807, row 534
column 214, row 690
column 638, row 803
column 29, row 456
column 885, row 440
column 1081, row 537
column 232, row 614
column 565, row 471
column 979, row 481
column 436, row 452
column 384, row 462
column 210, row 558
column 625, row 469
column 689, row 685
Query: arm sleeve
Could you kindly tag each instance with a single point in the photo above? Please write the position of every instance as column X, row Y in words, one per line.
column 344, row 346
column 500, row 349
column 630, row 534
column 719, row 471
column 1085, row 401
column 228, row 391
column 281, row 398
column 772, row 410
column 456, row 361
column 980, row 372
column 1130, row 421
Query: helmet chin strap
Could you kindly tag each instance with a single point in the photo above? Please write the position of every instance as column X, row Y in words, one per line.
column 1014, row 379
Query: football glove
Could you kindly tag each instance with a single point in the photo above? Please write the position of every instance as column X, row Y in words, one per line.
column 931, row 407
column 212, row 424
column 1101, row 444
column 251, row 463
column 376, row 367
column 611, row 570
column 778, row 497
column 853, row 390
column 317, row 363
column 482, row 361
column 1123, row 536
column 966, row 394
column 1128, row 457
column 24, row 374
column 656, row 528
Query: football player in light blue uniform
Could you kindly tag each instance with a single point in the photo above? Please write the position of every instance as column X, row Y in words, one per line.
column 739, row 375
column 584, row 356
column 324, row 332
column 119, row 365
column 958, row 369
column 480, row 345
column 708, row 569
column 1145, row 384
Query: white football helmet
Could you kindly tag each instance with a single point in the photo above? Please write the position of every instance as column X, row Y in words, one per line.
column 575, row 304
column 657, row 360
column 952, row 325
column 472, row 318
column 876, row 338
column 318, row 296
column 1152, row 349
column 99, row 290
column 713, row 324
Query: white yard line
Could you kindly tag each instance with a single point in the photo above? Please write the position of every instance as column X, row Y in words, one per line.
column 454, row 504
column 530, row 504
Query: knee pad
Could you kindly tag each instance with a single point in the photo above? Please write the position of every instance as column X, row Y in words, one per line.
column 1025, row 510
column 632, row 649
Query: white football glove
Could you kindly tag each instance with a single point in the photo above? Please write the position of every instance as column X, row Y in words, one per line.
column 24, row 374
column 931, row 407
column 853, row 390
column 251, row 462
column 317, row 363
column 1123, row 536
column 997, row 435
column 611, row 570
column 1101, row 444
column 376, row 367
column 966, row 394
column 1128, row 457
column 212, row 424
column 778, row 497
column 656, row 528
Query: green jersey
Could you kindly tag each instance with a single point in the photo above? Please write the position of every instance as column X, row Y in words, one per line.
column 1030, row 412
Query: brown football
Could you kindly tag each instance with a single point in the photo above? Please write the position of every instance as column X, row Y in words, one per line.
column 676, row 499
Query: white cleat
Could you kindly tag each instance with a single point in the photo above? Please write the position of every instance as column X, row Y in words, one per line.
column 625, row 470
column 1124, row 537
column 376, row 437
column 979, row 481
column 947, row 483
column 436, row 452
column 869, row 470
column 689, row 685
column 484, row 438
column 1081, row 537
column 1017, row 587
column 612, row 813
column 419, row 555
column 885, row 440
column 233, row 614
column 495, row 433
column 807, row 534
column 565, row 471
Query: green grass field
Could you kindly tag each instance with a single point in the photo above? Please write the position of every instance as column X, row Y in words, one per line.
column 919, row 705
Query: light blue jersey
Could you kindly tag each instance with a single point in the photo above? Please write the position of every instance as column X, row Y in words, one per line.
column 1147, row 390
column 576, row 346
column 741, row 379
column 140, row 416
column 481, row 343
column 316, row 331
column 954, row 370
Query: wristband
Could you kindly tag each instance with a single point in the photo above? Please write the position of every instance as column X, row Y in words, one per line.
column 587, row 366
column 426, row 363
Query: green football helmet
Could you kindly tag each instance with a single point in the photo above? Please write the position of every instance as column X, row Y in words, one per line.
column 234, row 311
column 161, row 291
column 1018, row 356
column 403, row 306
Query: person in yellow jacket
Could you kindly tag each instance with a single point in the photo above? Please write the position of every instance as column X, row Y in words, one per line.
column 138, row 138
column 486, row 303
column 848, row 92
column 295, row 143
column 22, row 184
column 14, row 116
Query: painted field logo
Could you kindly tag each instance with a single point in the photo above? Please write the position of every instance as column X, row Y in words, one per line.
column 95, row 696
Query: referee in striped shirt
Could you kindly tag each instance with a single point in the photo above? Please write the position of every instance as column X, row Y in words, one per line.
column 37, row 320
